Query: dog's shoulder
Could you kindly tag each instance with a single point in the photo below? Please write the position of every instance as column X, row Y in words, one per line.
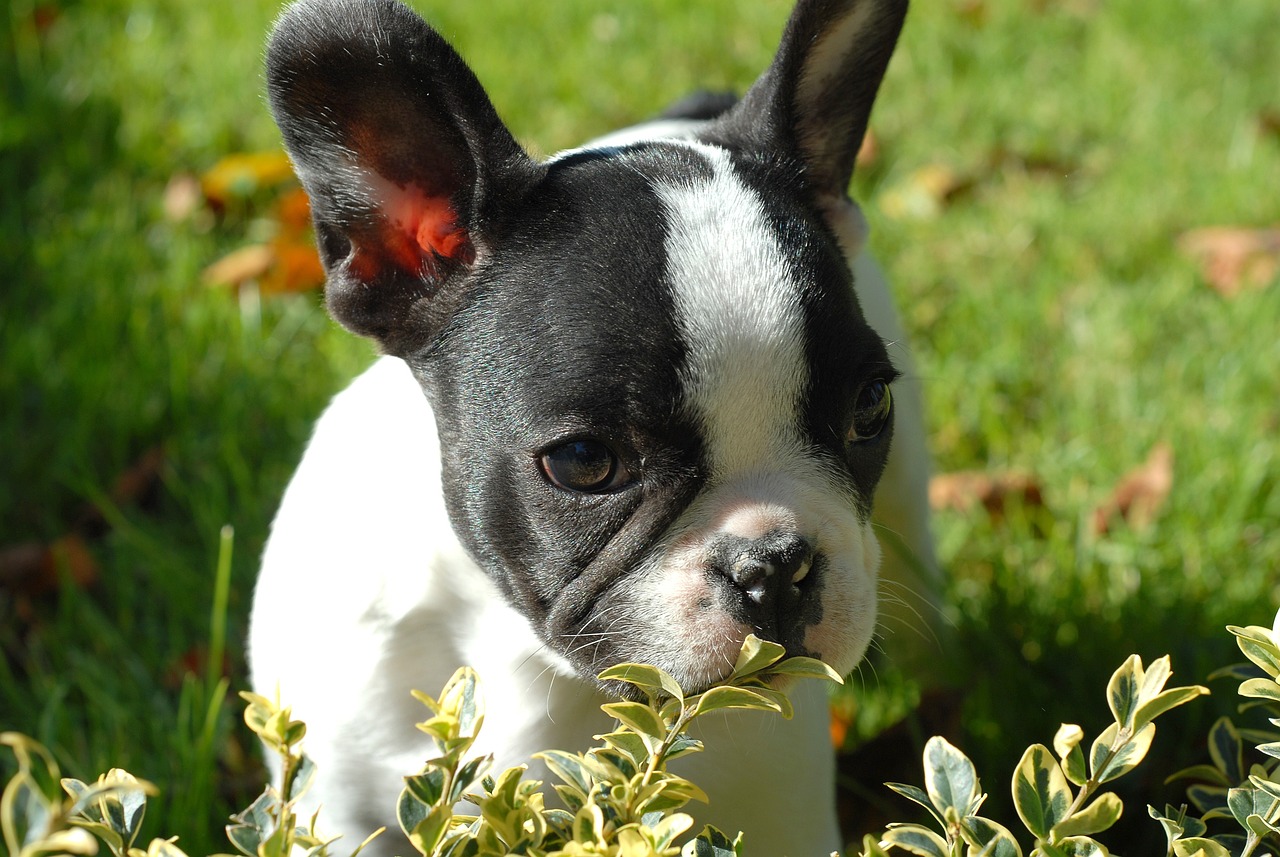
column 362, row 532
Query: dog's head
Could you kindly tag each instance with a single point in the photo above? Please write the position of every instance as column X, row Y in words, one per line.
column 661, row 412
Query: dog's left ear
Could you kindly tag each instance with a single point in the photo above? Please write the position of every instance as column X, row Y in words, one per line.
column 402, row 154
column 816, row 97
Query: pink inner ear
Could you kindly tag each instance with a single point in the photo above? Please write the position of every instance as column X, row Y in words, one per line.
column 423, row 227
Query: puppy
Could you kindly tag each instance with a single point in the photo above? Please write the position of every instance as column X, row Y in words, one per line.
column 637, row 403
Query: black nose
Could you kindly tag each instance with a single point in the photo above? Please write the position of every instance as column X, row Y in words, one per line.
column 766, row 570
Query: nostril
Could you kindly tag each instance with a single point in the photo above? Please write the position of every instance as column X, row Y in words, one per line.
column 793, row 557
column 762, row 568
column 802, row 570
column 751, row 575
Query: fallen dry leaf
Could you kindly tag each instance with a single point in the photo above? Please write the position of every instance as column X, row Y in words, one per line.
column 925, row 193
column 1140, row 494
column 34, row 569
column 240, row 175
column 295, row 267
column 973, row 12
column 136, row 485
column 240, row 266
column 182, row 196
column 1232, row 258
column 288, row 263
column 293, row 211
column 1269, row 123
column 995, row 492
column 869, row 151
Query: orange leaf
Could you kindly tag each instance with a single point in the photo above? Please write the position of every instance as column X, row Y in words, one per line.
column 241, row 175
column 869, row 151
column 240, row 266
column 1233, row 257
column 1140, row 495
column 295, row 267
column 839, row 730
column 994, row 492
column 293, row 211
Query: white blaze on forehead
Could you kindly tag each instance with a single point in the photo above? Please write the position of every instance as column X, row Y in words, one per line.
column 740, row 313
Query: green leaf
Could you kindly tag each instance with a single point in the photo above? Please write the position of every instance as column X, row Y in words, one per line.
column 1252, row 807
column 950, row 779
column 1081, row 846
column 986, row 838
column 303, row 775
column 1194, row 845
column 37, row 764
column 250, row 828
column 426, row 835
column 410, row 811
column 1040, row 791
column 1169, row 699
column 801, row 667
column 712, row 842
column 1154, row 678
column 666, row 830
column 1123, row 689
column 1259, row 647
column 461, row 699
column 1271, row 749
column 754, row 656
column 1107, row 763
column 780, row 699
column 916, row 839
column 588, row 824
column 1227, row 750
column 111, row 838
column 719, row 698
column 914, row 793
column 650, row 679
column 637, row 716
column 1239, row 672
column 683, row 745
column 1066, row 743
column 1261, row 688
column 1207, row 798
column 467, row 776
column 871, row 847
column 1098, row 816
column 666, row 795
column 1068, row 736
column 427, row 787
column 1271, row 787
column 569, row 768
column 1199, row 772
column 1171, row 821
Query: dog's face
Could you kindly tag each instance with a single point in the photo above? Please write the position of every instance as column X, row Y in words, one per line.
column 662, row 416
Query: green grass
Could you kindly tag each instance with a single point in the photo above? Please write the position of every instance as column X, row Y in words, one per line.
column 1059, row 332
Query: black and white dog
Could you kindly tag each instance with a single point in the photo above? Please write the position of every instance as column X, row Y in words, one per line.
column 657, row 374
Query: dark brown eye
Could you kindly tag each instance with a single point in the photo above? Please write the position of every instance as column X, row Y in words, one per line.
column 871, row 412
column 586, row 466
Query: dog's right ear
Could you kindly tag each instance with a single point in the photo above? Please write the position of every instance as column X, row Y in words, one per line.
column 402, row 154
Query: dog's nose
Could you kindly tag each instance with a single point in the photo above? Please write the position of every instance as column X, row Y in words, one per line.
column 766, row 568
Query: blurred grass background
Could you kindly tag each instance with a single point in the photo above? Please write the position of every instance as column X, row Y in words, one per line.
column 1036, row 165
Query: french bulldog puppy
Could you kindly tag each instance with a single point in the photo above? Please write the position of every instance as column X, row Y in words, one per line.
column 639, row 401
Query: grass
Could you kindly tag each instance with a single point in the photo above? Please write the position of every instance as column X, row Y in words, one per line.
column 1059, row 331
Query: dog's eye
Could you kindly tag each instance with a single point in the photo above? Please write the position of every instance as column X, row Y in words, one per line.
column 586, row 466
column 871, row 412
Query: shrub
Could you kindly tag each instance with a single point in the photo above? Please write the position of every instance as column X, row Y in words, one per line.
column 620, row 800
